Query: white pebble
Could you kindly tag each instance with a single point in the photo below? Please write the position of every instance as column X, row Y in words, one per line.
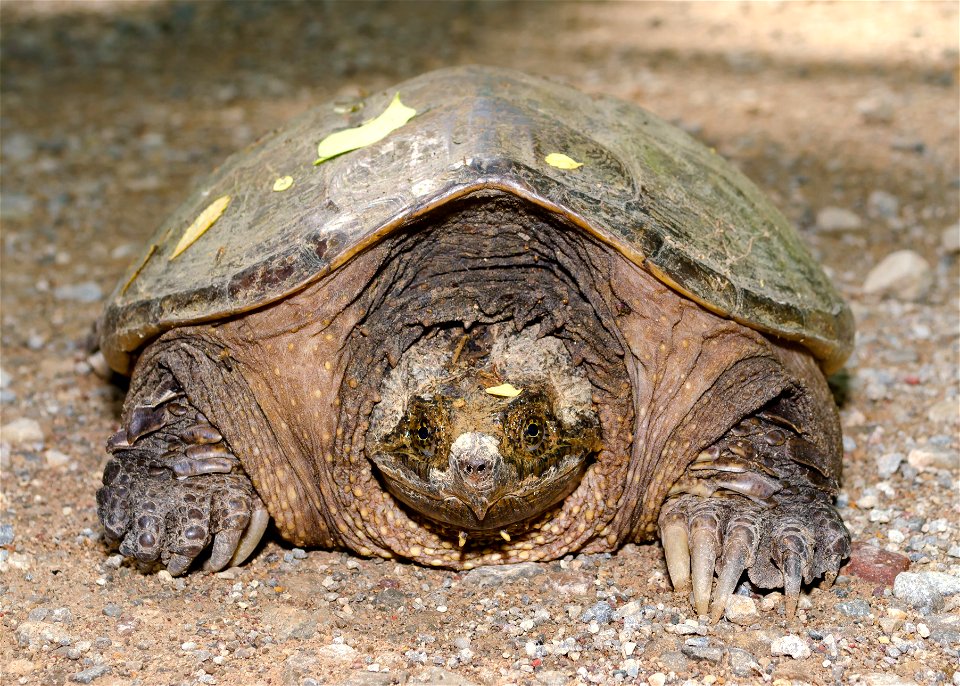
column 944, row 411
column 54, row 458
column 923, row 459
column 657, row 679
column 950, row 239
column 791, row 645
column 923, row 630
column 838, row 219
column 903, row 274
column 741, row 609
column 337, row 651
column 23, row 430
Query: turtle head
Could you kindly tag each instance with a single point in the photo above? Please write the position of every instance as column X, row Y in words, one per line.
column 484, row 435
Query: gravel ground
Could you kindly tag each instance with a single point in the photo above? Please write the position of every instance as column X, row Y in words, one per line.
column 845, row 113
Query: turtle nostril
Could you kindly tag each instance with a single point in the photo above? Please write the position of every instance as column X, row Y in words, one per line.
column 475, row 465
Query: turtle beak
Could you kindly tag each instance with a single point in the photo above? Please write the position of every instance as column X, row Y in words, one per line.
column 478, row 471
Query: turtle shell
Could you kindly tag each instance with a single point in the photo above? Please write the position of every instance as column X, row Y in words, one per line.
column 646, row 188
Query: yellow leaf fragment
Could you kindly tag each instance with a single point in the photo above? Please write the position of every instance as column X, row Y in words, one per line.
column 561, row 161
column 395, row 116
column 204, row 221
column 136, row 273
column 504, row 391
column 282, row 183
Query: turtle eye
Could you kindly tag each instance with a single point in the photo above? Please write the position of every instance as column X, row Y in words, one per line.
column 533, row 435
column 423, row 431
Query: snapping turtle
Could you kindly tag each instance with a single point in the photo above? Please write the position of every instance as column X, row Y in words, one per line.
column 446, row 349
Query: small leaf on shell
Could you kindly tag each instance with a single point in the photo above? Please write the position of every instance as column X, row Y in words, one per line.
column 504, row 390
column 282, row 183
column 392, row 118
column 204, row 221
column 561, row 161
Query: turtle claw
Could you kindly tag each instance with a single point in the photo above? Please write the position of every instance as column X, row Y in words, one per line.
column 178, row 564
column 673, row 533
column 251, row 537
column 224, row 546
column 737, row 555
column 703, row 554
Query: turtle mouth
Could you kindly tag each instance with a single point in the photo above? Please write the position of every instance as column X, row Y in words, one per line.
column 446, row 499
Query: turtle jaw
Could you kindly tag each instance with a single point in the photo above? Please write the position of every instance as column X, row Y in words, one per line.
column 488, row 504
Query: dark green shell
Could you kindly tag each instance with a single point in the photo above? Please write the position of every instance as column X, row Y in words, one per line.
column 646, row 188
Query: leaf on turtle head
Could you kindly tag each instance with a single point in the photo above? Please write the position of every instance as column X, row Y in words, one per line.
column 561, row 161
column 282, row 183
column 504, row 390
column 204, row 221
column 395, row 116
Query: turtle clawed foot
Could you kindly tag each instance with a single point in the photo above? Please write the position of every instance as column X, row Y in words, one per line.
column 794, row 541
column 157, row 516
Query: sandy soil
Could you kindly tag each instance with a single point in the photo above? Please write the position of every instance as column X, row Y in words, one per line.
column 112, row 110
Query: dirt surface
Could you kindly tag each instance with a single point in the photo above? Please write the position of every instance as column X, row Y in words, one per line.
column 112, row 110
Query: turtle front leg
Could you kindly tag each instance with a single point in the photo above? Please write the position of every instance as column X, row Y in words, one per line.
column 751, row 503
column 173, row 485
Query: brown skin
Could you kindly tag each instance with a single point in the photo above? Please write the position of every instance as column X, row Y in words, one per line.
column 292, row 387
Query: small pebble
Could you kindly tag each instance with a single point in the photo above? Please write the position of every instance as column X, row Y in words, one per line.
column 923, row 459
column 6, row 534
column 54, row 458
column 742, row 663
column 23, row 430
column 888, row 464
column 700, row 648
column 950, row 239
column 90, row 674
column 874, row 564
column 86, row 292
column 791, row 645
column 878, row 108
column 600, row 612
column 337, row 651
column 771, row 601
column 919, row 592
column 854, row 608
column 903, row 275
column 838, row 219
column 657, row 679
column 882, row 204
column 15, row 206
column 741, row 610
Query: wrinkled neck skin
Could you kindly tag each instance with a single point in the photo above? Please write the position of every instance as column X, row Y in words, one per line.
column 333, row 370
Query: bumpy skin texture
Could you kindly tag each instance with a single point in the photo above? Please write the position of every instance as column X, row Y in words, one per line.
column 292, row 388
column 172, row 485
